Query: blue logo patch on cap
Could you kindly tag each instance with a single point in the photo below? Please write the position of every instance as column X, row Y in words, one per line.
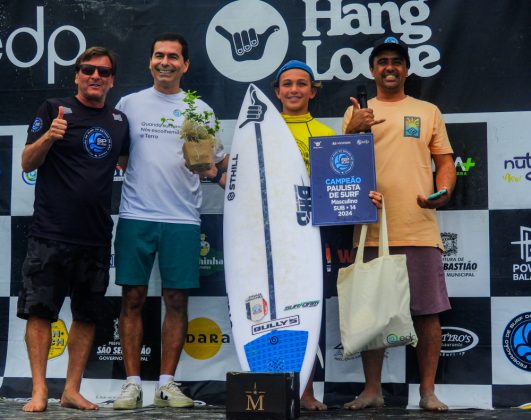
column 391, row 40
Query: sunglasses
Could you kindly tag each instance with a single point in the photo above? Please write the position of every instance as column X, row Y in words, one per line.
column 89, row 69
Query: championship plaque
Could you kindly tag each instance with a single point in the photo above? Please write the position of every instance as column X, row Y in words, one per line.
column 342, row 174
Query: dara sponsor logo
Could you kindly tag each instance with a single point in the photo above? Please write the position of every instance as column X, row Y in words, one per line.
column 517, row 341
column 453, row 264
column 204, row 338
column 457, row 341
column 522, row 271
column 517, row 169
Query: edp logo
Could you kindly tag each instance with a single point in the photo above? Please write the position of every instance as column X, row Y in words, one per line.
column 18, row 39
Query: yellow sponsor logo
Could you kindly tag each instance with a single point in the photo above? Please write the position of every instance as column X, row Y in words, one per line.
column 59, row 339
column 204, row 338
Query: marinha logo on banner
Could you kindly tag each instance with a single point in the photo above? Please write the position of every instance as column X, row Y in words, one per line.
column 210, row 260
column 342, row 175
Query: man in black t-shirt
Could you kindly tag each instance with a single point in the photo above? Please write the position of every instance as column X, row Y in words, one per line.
column 75, row 144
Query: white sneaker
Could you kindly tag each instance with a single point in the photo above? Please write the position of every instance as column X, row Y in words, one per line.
column 170, row 395
column 130, row 397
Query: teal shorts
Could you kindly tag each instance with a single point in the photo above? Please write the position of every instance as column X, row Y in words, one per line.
column 138, row 241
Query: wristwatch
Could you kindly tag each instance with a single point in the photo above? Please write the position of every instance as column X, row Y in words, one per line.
column 217, row 177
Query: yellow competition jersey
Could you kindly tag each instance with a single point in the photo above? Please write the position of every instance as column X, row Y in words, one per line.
column 303, row 127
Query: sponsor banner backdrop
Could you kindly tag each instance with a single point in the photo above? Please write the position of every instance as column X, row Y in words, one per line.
column 486, row 227
column 209, row 351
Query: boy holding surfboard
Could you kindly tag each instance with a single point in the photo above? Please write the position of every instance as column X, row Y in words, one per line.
column 295, row 86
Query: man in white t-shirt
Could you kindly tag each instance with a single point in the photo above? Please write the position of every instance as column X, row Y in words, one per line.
column 159, row 214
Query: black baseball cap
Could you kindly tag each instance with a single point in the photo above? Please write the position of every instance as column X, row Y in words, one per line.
column 389, row 43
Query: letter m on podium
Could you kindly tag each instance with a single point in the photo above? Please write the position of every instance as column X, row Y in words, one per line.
column 255, row 400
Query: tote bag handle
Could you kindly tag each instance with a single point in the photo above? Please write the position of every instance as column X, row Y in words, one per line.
column 383, row 247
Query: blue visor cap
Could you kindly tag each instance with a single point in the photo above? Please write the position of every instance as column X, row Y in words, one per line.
column 295, row 64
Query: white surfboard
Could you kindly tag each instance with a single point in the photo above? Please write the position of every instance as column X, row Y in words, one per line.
column 272, row 253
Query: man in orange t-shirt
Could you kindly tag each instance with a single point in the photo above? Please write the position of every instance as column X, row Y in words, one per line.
column 408, row 135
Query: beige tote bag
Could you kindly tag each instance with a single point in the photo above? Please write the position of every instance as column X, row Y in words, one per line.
column 374, row 299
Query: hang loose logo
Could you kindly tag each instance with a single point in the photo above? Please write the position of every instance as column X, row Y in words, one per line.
column 255, row 111
column 247, row 44
column 250, row 47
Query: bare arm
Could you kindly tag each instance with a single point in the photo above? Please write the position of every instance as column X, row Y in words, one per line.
column 34, row 154
column 444, row 178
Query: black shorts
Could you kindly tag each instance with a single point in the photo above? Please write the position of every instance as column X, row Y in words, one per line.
column 53, row 270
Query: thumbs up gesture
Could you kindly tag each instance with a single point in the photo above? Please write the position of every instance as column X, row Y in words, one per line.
column 58, row 127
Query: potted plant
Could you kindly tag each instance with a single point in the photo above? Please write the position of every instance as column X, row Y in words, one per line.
column 199, row 137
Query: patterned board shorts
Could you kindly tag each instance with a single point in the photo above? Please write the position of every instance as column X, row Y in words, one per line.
column 53, row 270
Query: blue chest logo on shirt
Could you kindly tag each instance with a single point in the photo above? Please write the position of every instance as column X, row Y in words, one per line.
column 412, row 127
column 97, row 142
column 37, row 125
